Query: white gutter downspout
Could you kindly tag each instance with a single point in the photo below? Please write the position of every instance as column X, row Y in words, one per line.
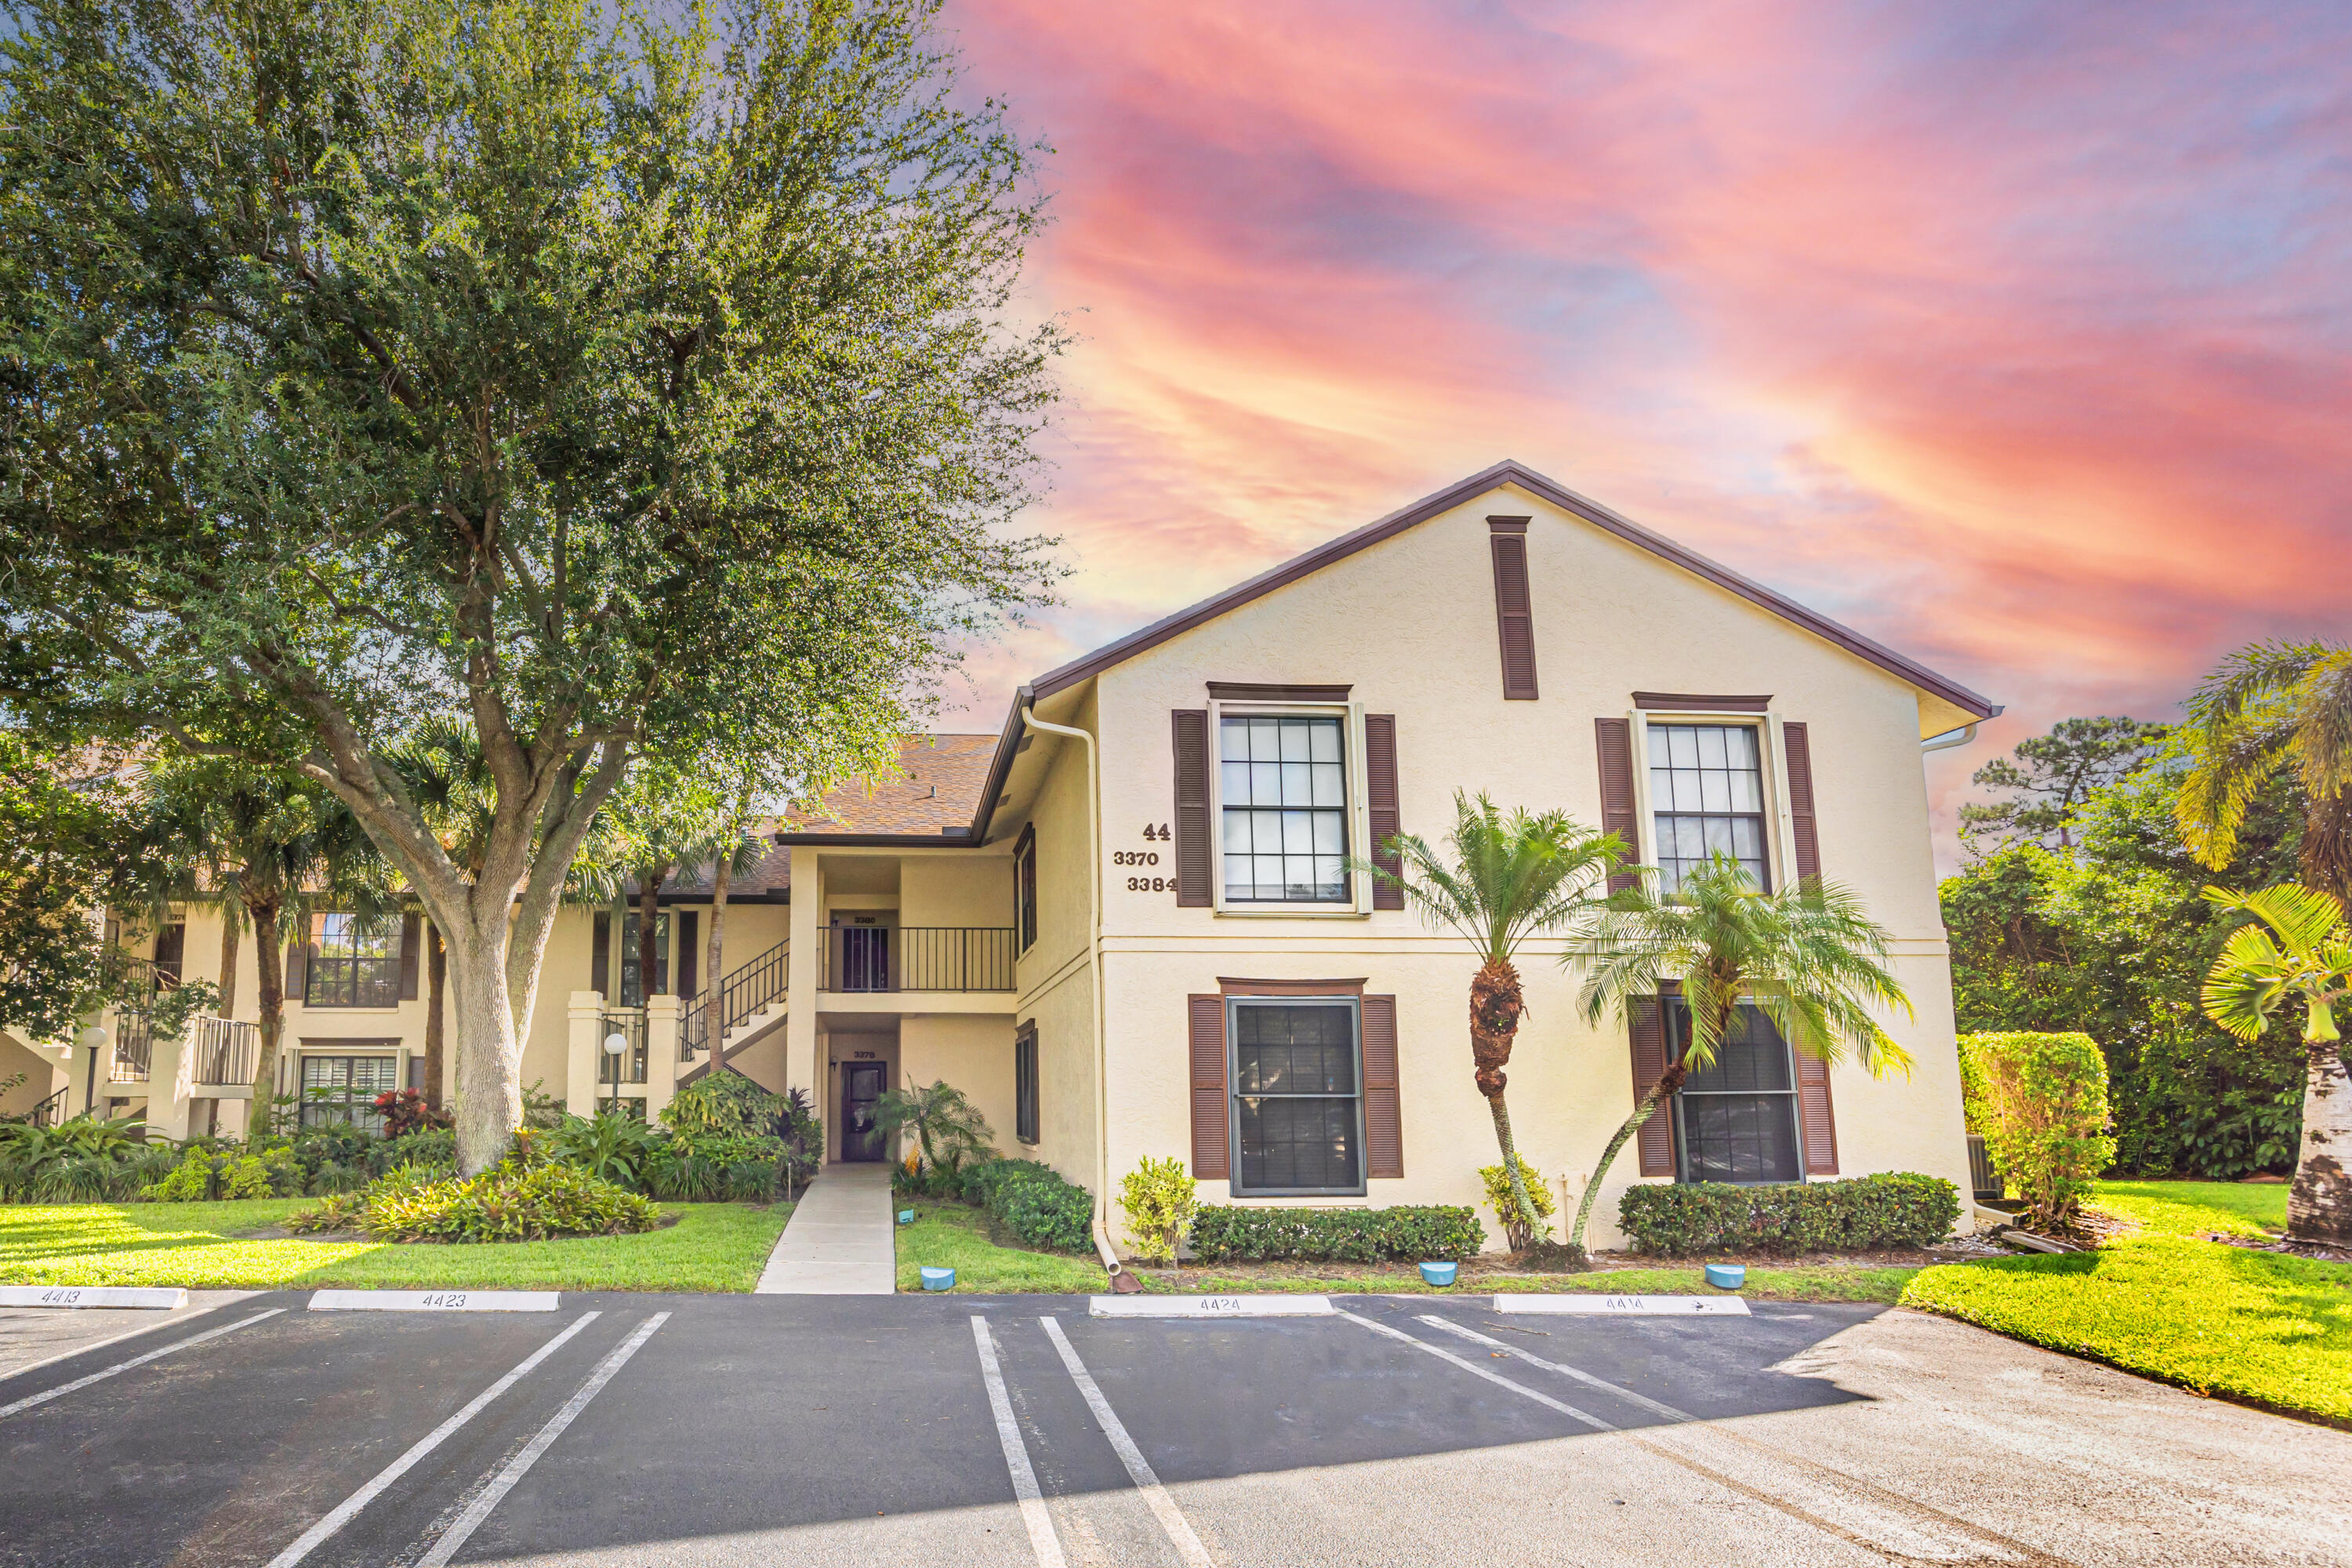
column 1950, row 738
column 1122, row 1281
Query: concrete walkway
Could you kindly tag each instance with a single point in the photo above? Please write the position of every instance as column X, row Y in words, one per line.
column 841, row 1239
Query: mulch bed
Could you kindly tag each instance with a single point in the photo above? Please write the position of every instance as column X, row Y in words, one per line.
column 1512, row 1266
column 2318, row 1251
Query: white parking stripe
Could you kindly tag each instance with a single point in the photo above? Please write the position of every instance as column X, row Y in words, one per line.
column 347, row 1509
column 1579, row 1373
column 1138, row 1470
column 1040, row 1524
column 1475, row 1370
column 46, row 1394
column 491, row 1495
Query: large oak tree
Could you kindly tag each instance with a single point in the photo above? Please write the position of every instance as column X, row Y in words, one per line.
column 633, row 387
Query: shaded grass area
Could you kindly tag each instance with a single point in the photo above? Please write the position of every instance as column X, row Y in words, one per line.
column 954, row 1235
column 1828, row 1282
column 2191, row 1208
column 713, row 1246
column 2257, row 1327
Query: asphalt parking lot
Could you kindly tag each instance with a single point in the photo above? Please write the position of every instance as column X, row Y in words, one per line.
column 645, row 1430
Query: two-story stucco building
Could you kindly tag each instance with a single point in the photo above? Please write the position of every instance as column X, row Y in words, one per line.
column 1125, row 924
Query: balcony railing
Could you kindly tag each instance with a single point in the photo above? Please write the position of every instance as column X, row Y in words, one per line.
column 916, row 958
column 134, row 1046
column 226, row 1051
column 629, row 1065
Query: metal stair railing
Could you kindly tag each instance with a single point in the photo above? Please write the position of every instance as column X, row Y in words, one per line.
column 743, row 992
column 227, row 1051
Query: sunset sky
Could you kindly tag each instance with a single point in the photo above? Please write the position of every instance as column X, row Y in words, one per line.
column 2014, row 335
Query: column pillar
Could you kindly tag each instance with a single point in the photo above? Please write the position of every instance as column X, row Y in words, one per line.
column 661, row 1053
column 802, row 1067
column 170, row 1071
column 585, row 1047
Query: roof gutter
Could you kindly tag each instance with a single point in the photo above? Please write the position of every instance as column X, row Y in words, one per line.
column 1122, row 1281
column 1950, row 738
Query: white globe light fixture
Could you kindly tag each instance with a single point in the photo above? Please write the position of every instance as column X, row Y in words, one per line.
column 615, row 1044
column 94, row 1037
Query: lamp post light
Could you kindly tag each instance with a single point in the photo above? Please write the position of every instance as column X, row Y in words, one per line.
column 95, row 1037
column 615, row 1044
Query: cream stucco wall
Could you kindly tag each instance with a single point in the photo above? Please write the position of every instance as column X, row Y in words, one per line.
column 1409, row 624
column 974, row 1052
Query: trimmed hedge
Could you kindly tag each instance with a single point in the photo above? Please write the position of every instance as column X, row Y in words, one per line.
column 1892, row 1209
column 1034, row 1203
column 1222, row 1234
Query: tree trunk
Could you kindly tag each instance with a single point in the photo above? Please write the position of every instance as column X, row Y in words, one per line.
column 490, row 1053
column 1497, row 1001
column 436, row 980
column 714, row 959
column 1660, row 1091
column 2319, row 1203
column 232, row 925
column 269, row 959
column 649, row 881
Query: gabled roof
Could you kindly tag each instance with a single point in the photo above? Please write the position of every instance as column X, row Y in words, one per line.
column 1568, row 500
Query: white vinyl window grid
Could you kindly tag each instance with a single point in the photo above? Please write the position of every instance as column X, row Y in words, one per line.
column 1354, row 809
column 1780, row 828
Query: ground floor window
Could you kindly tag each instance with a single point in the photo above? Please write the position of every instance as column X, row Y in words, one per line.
column 1737, row 1121
column 1298, row 1096
column 343, row 1090
column 1024, row 1085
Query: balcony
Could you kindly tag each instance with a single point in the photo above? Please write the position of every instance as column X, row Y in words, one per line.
column 873, row 960
column 226, row 1053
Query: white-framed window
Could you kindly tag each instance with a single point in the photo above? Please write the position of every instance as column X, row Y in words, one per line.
column 1296, row 1067
column 1286, row 807
column 1708, row 797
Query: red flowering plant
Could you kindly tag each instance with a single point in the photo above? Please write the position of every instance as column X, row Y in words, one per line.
column 404, row 1111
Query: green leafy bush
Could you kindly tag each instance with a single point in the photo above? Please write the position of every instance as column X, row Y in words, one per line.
column 1436, row 1233
column 724, row 1104
column 1033, row 1202
column 190, row 1181
column 509, row 1204
column 1689, row 1219
column 1160, row 1198
column 2042, row 1102
column 612, row 1146
column 1499, row 1199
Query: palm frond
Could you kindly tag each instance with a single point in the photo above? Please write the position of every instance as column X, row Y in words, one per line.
column 1508, row 875
column 2303, row 916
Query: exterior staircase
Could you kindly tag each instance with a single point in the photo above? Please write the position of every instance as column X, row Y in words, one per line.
column 751, row 1004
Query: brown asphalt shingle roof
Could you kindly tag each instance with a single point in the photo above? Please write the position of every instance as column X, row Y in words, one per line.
column 944, row 777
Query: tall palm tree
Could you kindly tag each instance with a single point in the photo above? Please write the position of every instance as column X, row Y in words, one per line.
column 2306, row 953
column 1807, row 957
column 2269, row 706
column 1509, row 878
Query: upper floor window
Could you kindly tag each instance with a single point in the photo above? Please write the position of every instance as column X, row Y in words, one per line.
column 1024, row 887
column 1707, row 792
column 633, row 984
column 354, row 961
column 1283, row 786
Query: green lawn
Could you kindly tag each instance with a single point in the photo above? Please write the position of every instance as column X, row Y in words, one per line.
column 2255, row 1326
column 954, row 1235
column 713, row 1246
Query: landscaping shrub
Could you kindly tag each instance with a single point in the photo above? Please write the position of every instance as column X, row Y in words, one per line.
column 1033, row 1202
column 435, row 1150
column 190, row 1181
column 1692, row 1218
column 404, row 1111
column 1160, row 1201
column 724, row 1103
column 1498, row 1198
column 2042, row 1101
column 509, row 1204
column 1434, row 1233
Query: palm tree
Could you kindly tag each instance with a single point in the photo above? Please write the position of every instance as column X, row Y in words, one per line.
column 2268, row 706
column 1807, row 957
column 2310, row 957
column 1509, row 878
column 948, row 1127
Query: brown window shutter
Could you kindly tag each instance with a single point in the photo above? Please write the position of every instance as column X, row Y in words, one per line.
column 1797, row 746
column 688, row 949
column 1515, row 613
column 600, row 956
column 1195, row 859
column 1211, row 1161
column 1384, row 1112
column 1813, row 1107
column 1656, row 1137
column 1380, row 789
column 298, row 953
column 412, row 948
column 1613, row 738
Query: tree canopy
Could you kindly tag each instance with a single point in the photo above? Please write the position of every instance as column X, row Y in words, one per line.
column 629, row 385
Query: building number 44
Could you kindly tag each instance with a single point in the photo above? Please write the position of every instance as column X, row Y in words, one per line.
column 1152, row 834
